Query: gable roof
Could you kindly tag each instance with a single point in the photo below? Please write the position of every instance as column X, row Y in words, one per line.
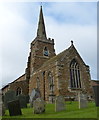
column 21, row 78
column 61, row 56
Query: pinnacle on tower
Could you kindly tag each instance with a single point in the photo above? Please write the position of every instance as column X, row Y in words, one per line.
column 41, row 32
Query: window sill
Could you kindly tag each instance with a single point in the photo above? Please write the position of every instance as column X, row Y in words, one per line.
column 74, row 89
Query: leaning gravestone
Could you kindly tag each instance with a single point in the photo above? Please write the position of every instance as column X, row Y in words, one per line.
column 82, row 98
column 39, row 106
column 9, row 96
column 22, row 100
column 14, row 108
column 59, row 103
column 34, row 95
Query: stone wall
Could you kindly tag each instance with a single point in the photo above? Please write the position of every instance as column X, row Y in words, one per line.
column 37, row 48
column 39, row 74
column 60, row 69
column 64, row 75
column 22, row 84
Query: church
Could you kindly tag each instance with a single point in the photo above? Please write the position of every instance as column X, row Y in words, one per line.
column 63, row 74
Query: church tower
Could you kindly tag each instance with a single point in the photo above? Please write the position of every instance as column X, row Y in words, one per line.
column 42, row 48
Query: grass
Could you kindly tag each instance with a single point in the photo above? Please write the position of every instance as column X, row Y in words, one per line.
column 72, row 111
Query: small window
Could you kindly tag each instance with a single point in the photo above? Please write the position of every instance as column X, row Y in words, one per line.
column 45, row 51
column 18, row 91
column 51, row 82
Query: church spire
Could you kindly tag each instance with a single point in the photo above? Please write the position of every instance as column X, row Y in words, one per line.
column 41, row 32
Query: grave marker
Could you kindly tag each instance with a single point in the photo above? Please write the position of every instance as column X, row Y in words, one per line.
column 2, row 109
column 59, row 103
column 83, row 103
column 39, row 106
column 9, row 96
column 34, row 95
column 14, row 108
column 22, row 100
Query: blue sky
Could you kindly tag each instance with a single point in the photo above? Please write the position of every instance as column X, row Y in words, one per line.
column 65, row 21
column 65, row 10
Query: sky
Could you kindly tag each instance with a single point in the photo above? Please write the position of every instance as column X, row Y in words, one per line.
column 64, row 21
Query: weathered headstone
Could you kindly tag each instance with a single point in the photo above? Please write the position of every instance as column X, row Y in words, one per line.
column 59, row 103
column 39, row 106
column 22, row 100
column 96, row 94
column 82, row 98
column 9, row 96
column 34, row 95
column 2, row 109
column 14, row 108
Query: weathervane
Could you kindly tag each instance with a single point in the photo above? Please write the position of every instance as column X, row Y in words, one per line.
column 41, row 4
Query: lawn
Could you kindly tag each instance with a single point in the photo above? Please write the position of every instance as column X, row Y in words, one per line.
column 72, row 111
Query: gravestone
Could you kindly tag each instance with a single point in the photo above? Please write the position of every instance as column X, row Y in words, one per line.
column 39, row 106
column 96, row 94
column 2, row 109
column 59, row 103
column 14, row 108
column 34, row 95
column 9, row 96
column 82, row 98
column 22, row 100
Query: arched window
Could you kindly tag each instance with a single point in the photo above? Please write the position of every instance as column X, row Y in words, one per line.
column 75, row 81
column 18, row 91
column 45, row 52
column 38, row 83
column 51, row 82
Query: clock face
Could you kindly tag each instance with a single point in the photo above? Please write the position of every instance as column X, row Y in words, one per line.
column 46, row 53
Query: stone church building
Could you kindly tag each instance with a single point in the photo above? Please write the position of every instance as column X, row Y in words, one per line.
column 63, row 74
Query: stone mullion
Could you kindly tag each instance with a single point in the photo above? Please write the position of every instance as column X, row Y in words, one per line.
column 71, row 77
column 74, row 84
column 77, row 78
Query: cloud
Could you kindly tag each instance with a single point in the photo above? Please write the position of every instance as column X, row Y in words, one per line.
column 82, row 29
column 14, row 47
column 84, row 37
column 75, row 13
column 64, row 21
